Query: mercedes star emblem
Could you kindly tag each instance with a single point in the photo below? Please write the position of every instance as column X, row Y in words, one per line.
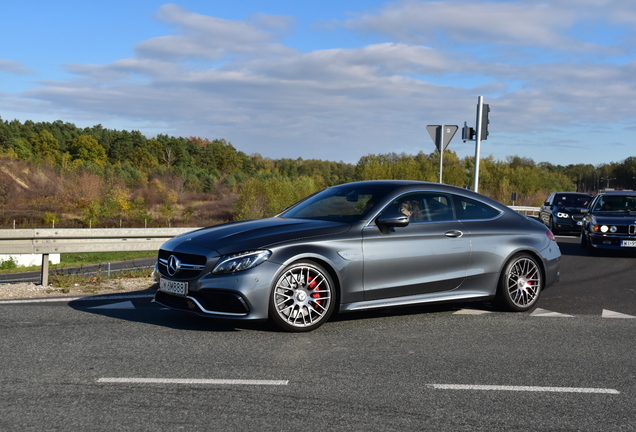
column 173, row 265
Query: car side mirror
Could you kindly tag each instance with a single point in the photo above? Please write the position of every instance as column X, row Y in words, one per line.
column 391, row 219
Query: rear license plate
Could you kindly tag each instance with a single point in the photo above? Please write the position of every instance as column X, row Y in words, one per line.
column 173, row 287
column 628, row 243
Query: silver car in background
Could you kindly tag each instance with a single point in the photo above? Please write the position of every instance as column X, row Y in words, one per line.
column 357, row 246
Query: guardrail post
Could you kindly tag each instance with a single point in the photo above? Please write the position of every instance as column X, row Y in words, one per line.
column 45, row 270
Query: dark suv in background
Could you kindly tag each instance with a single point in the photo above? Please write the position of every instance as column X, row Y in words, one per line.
column 561, row 212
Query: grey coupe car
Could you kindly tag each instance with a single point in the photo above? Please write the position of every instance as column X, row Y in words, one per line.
column 357, row 246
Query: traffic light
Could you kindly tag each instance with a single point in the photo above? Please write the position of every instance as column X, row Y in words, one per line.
column 484, row 121
column 468, row 133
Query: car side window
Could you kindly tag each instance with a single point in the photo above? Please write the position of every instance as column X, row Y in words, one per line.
column 550, row 199
column 424, row 207
column 469, row 209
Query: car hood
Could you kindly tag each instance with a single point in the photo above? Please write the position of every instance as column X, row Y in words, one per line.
column 254, row 234
column 572, row 209
column 614, row 218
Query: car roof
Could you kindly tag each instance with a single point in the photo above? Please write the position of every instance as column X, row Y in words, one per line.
column 573, row 193
column 618, row 193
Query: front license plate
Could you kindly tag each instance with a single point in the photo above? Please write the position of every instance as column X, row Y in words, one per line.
column 579, row 223
column 628, row 243
column 173, row 287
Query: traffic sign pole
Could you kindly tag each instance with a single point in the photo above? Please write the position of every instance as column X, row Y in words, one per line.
column 442, row 136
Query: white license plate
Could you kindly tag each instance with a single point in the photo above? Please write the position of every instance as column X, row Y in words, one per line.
column 628, row 243
column 579, row 223
column 173, row 287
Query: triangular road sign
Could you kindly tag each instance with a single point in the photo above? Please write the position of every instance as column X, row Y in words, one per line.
column 442, row 135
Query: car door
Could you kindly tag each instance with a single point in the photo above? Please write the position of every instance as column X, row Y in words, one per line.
column 429, row 255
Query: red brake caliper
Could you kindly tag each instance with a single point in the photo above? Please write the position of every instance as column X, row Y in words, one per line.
column 313, row 285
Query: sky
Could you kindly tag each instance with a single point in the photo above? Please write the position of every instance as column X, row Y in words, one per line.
column 333, row 80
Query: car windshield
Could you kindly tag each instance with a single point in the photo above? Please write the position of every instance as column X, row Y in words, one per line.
column 625, row 203
column 346, row 203
column 566, row 200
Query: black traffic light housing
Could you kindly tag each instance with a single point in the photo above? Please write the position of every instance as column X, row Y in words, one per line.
column 468, row 133
column 484, row 121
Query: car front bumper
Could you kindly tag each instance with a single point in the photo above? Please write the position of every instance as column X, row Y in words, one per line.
column 237, row 296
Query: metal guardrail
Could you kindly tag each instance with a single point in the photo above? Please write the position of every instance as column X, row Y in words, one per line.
column 52, row 241
column 528, row 211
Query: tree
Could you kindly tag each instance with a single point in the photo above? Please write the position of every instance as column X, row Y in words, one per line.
column 45, row 145
column 85, row 148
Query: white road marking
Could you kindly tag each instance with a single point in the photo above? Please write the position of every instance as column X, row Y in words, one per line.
column 120, row 305
column 611, row 314
column 523, row 388
column 471, row 312
column 191, row 381
column 546, row 313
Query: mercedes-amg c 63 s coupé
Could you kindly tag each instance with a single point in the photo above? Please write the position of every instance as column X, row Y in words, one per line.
column 357, row 246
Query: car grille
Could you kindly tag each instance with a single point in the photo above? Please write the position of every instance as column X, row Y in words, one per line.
column 211, row 301
column 577, row 217
column 216, row 301
column 632, row 230
column 191, row 266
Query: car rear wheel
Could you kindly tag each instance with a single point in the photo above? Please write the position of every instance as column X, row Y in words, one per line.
column 303, row 297
column 520, row 283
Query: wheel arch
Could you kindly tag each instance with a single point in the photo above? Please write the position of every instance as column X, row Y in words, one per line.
column 326, row 264
column 537, row 257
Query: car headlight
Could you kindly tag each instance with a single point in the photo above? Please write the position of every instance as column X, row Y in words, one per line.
column 563, row 215
column 600, row 228
column 241, row 261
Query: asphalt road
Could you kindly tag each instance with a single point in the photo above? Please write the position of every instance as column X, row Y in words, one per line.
column 123, row 363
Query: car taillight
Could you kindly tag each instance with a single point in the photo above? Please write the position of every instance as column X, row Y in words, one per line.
column 550, row 235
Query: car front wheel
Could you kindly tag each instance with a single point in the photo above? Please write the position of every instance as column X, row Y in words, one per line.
column 303, row 297
column 520, row 283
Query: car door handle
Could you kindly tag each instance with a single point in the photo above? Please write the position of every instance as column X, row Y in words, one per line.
column 453, row 233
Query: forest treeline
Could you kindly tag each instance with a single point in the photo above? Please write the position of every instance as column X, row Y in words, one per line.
column 56, row 174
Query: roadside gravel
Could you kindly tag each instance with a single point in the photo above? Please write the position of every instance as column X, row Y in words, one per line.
column 29, row 290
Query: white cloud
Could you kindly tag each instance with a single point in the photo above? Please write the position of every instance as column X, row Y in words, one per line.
column 14, row 67
column 213, row 38
column 236, row 80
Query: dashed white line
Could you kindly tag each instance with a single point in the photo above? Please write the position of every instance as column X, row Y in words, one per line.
column 538, row 312
column 523, row 388
column 119, row 305
column 191, row 381
column 611, row 314
column 471, row 312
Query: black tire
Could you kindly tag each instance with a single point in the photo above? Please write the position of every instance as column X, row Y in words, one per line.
column 303, row 297
column 520, row 283
column 587, row 244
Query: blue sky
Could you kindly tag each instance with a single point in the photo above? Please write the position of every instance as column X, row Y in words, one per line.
column 332, row 80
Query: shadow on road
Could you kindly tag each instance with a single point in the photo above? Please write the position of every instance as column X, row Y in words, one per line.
column 138, row 307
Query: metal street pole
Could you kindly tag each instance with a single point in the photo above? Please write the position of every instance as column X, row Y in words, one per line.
column 480, row 108
column 441, row 153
